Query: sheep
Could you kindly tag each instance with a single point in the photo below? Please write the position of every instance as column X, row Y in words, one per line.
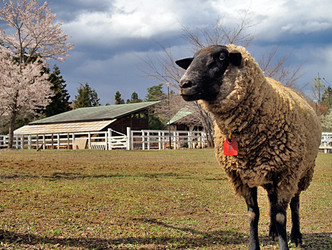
column 273, row 132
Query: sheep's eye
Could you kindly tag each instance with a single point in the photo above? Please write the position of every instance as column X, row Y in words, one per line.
column 222, row 57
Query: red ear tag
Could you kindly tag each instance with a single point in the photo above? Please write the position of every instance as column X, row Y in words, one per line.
column 231, row 147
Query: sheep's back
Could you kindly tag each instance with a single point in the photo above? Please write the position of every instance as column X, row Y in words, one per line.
column 304, row 125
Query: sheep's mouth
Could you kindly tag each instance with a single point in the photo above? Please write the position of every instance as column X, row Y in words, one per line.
column 190, row 94
column 196, row 93
column 189, row 98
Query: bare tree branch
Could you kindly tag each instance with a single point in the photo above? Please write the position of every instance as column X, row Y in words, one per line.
column 278, row 69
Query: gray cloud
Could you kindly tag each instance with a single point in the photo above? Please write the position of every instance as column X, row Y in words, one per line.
column 109, row 34
column 69, row 10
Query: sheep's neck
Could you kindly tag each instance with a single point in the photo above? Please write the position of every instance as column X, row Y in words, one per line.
column 243, row 115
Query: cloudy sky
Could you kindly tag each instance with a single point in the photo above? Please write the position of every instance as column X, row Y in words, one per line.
column 110, row 36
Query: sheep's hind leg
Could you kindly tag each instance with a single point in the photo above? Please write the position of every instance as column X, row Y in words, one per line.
column 296, row 236
column 272, row 229
column 253, row 212
column 278, row 219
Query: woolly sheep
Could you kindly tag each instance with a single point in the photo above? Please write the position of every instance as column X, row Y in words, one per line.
column 274, row 131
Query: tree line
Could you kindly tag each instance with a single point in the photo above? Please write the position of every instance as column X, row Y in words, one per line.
column 86, row 97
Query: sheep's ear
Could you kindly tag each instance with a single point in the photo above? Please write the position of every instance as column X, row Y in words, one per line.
column 184, row 63
column 235, row 58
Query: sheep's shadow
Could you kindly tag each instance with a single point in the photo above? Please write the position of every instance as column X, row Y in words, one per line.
column 74, row 176
column 210, row 239
column 197, row 239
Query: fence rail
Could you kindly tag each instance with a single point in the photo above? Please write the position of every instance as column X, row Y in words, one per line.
column 108, row 140
column 134, row 139
column 105, row 140
column 161, row 139
column 326, row 142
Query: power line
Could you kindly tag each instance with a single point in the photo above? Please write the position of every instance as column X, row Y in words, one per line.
column 326, row 81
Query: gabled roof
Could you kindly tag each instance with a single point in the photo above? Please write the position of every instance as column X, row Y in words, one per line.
column 99, row 113
column 184, row 112
column 58, row 128
column 186, row 115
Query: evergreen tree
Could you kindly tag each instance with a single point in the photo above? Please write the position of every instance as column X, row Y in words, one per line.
column 118, row 99
column 87, row 97
column 155, row 93
column 134, row 98
column 155, row 122
column 60, row 100
column 327, row 98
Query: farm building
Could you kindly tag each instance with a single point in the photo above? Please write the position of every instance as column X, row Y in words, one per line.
column 124, row 126
column 102, row 127
column 92, row 119
column 184, row 119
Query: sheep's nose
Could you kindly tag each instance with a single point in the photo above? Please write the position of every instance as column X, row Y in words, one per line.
column 185, row 84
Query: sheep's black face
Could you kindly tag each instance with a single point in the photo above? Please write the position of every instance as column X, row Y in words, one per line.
column 204, row 72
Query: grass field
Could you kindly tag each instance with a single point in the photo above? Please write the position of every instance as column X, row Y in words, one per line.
column 140, row 200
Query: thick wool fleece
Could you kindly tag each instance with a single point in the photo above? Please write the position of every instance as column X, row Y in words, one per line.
column 277, row 131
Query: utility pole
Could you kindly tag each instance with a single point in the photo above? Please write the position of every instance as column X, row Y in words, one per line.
column 318, row 88
column 169, row 117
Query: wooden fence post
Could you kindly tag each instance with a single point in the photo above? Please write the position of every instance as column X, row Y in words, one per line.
column 159, row 140
column 73, row 140
column 189, row 139
column 143, row 139
column 148, row 135
column 109, row 138
column 58, row 140
column 89, row 140
column 129, row 138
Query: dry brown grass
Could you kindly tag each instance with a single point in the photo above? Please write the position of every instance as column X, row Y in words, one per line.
column 135, row 199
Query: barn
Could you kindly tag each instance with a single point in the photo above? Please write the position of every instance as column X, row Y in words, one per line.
column 123, row 126
column 102, row 127
column 92, row 119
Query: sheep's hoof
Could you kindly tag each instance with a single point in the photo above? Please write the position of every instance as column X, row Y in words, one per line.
column 273, row 232
column 296, row 238
column 254, row 247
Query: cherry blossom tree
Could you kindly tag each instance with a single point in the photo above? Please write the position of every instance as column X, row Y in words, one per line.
column 31, row 30
column 24, row 87
column 30, row 37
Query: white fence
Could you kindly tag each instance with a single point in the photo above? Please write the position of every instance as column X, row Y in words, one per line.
column 105, row 140
column 134, row 139
column 326, row 142
column 162, row 139
column 108, row 140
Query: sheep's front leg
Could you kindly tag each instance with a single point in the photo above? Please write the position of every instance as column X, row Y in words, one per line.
column 253, row 212
column 278, row 219
column 296, row 236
